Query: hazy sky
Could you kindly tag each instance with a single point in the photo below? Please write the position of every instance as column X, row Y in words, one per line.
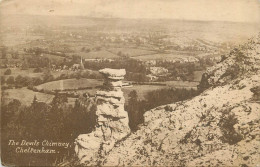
column 220, row 10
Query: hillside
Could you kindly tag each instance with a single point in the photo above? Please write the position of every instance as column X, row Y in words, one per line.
column 218, row 127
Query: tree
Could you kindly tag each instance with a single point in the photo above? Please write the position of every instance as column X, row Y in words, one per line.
column 133, row 96
column 22, row 81
column 19, row 79
column 133, row 110
column 10, row 80
column 8, row 72
column 82, row 119
column 204, row 84
column 59, row 100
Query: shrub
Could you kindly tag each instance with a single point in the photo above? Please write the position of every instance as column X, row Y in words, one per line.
column 256, row 91
column 226, row 125
column 168, row 108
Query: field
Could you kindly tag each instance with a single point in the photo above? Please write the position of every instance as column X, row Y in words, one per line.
column 70, row 84
column 25, row 96
column 180, row 84
column 141, row 90
column 131, row 52
column 198, row 75
column 162, row 56
column 53, row 57
column 18, row 38
column 102, row 54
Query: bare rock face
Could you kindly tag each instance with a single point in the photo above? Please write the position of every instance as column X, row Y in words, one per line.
column 240, row 62
column 112, row 120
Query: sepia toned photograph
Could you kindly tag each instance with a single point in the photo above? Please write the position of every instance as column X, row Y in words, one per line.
column 130, row 83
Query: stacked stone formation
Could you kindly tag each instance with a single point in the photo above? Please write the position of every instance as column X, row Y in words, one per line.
column 112, row 119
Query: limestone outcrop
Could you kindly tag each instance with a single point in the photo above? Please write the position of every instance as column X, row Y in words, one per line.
column 220, row 127
column 112, row 119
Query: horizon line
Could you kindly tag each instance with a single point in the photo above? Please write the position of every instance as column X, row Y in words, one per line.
column 144, row 18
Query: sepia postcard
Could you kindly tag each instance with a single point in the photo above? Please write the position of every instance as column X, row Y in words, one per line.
column 130, row 83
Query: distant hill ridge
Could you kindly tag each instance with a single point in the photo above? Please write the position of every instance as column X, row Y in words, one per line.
column 218, row 127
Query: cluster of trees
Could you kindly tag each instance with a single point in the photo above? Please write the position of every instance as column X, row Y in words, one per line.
column 184, row 71
column 177, row 69
column 136, row 108
column 20, row 81
column 32, row 61
column 135, row 70
column 56, row 121
column 36, row 60
column 26, row 81
column 4, row 51
column 129, row 64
